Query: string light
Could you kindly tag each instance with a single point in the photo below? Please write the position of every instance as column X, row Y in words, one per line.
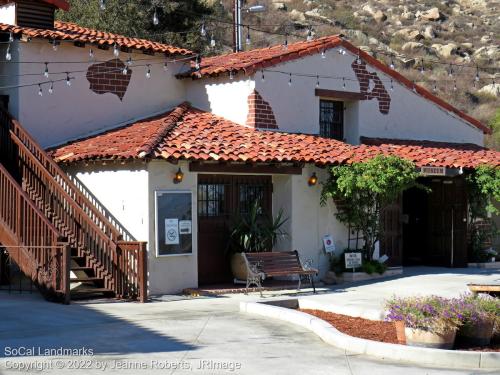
column 91, row 54
column 262, row 78
column 285, row 43
column 8, row 55
column 68, row 80
column 165, row 66
column 212, row 41
column 343, row 82
column 317, row 81
column 248, row 41
column 342, row 51
column 392, row 85
column 422, row 68
column 116, row 50
column 54, row 44
column 51, row 88
column 46, row 71
column 129, row 61
column 125, row 70
column 358, row 59
column 477, row 78
column 102, row 4
column 435, row 87
column 290, row 80
column 323, row 54
column 197, row 64
column 392, row 65
column 156, row 21
column 450, row 71
column 231, row 76
column 309, row 35
column 203, row 31
column 40, row 92
column 11, row 37
column 454, row 85
column 148, row 71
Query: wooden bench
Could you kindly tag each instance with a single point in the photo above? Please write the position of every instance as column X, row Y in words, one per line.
column 489, row 288
column 272, row 264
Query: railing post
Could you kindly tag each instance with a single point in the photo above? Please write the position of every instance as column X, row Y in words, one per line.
column 65, row 271
column 143, row 272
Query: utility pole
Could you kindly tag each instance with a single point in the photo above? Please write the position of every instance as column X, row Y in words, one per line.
column 237, row 22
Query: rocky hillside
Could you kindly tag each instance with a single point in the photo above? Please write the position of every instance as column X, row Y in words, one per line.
column 439, row 32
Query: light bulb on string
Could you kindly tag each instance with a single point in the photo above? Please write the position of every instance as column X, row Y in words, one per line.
column 51, row 88
column 392, row 85
column 477, row 78
column 212, row 41
column 450, row 71
column 148, row 71
column 248, row 41
column 262, row 78
column 8, row 55
column 91, row 54
column 392, row 65
column 454, row 85
column 285, row 43
column 102, row 4
column 129, row 61
column 197, row 63
column 156, row 21
column 40, row 91
column 54, row 45
column 422, row 67
column 125, row 70
column 290, row 79
column 116, row 50
column 231, row 76
column 309, row 35
column 11, row 37
column 317, row 81
column 435, row 87
column 323, row 54
column 343, row 83
column 203, row 31
column 358, row 59
column 165, row 66
column 46, row 71
column 68, row 80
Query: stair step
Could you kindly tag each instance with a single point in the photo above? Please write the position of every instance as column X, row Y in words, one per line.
column 77, row 258
column 84, row 279
column 82, row 269
column 90, row 292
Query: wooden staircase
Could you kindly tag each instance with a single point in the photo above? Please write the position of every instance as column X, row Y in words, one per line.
column 52, row 226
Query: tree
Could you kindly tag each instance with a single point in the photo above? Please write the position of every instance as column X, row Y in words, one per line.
column 179, row 21
column 364, row 189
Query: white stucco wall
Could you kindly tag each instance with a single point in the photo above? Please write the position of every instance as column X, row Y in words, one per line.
column 76, row 111
column 228, row 99
column 123, row 190
column 171, row 274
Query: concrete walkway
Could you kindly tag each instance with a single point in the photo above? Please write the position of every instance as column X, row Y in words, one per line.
column 210, row 333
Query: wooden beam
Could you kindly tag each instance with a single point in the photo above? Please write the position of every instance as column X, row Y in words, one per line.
column 244, row 168
column 334, row 94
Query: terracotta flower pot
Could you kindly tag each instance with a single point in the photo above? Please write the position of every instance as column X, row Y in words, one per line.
column 478, row 334
column 238, row 266
column 426, row 339
column 400, row 331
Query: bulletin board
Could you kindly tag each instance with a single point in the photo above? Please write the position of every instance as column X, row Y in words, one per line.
column 174, row 222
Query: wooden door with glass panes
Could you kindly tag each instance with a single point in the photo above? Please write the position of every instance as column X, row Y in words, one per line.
column 221, row 198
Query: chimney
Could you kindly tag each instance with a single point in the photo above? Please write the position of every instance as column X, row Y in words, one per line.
column 38, row 14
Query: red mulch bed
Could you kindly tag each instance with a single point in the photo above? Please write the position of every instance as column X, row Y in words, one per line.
column 375, row 330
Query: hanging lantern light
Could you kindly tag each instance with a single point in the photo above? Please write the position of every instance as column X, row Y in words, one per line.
column 179, row 176
column 313, row 180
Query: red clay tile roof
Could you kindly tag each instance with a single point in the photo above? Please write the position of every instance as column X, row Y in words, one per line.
column 249, row 62
column 191, row 134
column 73, row 32
column 428, row 153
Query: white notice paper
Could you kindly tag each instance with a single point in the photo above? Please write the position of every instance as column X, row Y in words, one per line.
column 185, row 227
column 171, row 231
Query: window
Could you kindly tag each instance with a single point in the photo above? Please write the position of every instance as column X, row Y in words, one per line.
column 211, row 200
column 248, row 195
column 331, row 119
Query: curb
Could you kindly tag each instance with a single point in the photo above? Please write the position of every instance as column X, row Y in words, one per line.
column 457, row 359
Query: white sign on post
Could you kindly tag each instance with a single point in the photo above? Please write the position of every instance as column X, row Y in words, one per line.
column 353, row 260
column 328, row 243
column 171, row 231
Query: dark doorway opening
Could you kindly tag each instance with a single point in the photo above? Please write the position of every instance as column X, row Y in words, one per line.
column 220, row 199
column 435, row 223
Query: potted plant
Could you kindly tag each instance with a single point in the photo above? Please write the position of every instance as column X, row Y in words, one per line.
column 253, row 232
column 429, row 322
column 479, row 315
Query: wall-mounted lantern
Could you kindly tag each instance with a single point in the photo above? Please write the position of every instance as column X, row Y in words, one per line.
column 313, row 180
column 179, row 176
